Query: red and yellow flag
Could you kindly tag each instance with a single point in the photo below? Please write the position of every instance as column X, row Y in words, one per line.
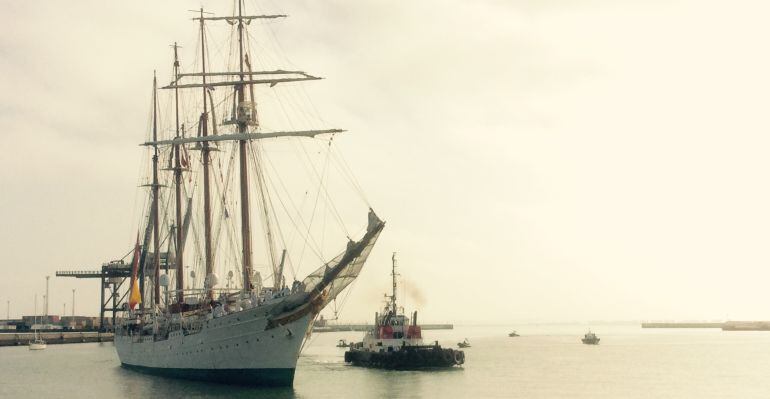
column 136, row 296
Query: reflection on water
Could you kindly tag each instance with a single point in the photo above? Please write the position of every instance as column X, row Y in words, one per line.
column 140, row 385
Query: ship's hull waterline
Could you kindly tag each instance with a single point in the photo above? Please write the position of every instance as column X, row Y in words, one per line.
column 233, row 349
column 244, row 377
column 407, row 358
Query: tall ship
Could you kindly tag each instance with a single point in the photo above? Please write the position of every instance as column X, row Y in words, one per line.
column 395, row 341
column 227, row 161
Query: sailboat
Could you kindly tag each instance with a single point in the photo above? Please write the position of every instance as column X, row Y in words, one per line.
column 38, row 343
column 213, row 158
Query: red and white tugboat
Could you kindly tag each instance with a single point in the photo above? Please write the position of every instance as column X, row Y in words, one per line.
column 396, row 343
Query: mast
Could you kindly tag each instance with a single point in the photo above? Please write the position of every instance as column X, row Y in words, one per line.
column 393, row 297
column 47, row 298
column 244, row 174
column 206, row 161
column 244, row 115
column 178, row 191
column 155, row 187
column 277, row 269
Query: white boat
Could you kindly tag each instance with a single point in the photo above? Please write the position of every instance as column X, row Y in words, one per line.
column 38, row 343
column 249, row 332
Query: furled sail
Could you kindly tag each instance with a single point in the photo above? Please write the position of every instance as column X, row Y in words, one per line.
column 338, row 273
column 324, row 284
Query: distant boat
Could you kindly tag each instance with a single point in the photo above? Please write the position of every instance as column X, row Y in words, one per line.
column 342, row 343
column 38, row 343
column 513, row 334
column 590, row 339
column 464, row 344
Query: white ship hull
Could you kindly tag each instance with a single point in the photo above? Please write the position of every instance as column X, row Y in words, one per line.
column 234, row 349
column 256, row 346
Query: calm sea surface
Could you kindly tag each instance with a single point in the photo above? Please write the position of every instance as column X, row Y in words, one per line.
column 547, row 361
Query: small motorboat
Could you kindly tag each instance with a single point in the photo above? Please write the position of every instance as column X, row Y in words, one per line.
column 464, row 344
column 513, row 334
column 343, row 344
column 590, row 339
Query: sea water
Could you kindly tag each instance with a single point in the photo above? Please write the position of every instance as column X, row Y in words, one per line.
column 546, row 361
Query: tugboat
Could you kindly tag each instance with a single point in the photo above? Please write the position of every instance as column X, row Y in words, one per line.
column 590, row 339
column 342, row 343
column 513, row 334
column 395, row 342
column 464, row 344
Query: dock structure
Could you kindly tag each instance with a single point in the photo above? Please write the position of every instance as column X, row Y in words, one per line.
column 58, row 337
column 114, row 291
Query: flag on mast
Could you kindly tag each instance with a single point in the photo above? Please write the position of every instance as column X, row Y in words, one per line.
column 136, row 296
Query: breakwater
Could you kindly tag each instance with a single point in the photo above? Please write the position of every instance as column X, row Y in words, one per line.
column 683, row 325
column 746, row 326
column 59, row 337
column 725, row 326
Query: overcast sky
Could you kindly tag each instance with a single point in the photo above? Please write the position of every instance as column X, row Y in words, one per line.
column 535, row 160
